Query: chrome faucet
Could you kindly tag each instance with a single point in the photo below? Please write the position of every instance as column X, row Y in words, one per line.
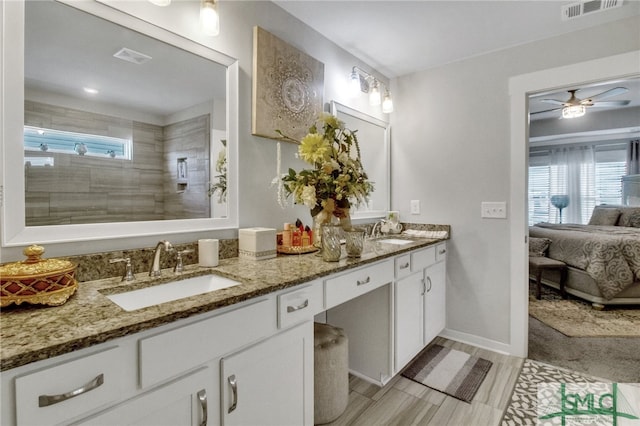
column 375, row 230
column 155, row 266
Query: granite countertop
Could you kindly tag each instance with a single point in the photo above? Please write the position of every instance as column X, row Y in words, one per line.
column 30, row 333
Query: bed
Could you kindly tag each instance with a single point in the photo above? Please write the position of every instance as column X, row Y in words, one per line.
column 603, row 257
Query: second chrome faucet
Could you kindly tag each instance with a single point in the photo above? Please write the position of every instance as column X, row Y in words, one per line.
column 155, row 266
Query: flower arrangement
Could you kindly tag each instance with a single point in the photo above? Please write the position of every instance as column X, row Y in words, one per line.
column 221, row 168
column 337, row 177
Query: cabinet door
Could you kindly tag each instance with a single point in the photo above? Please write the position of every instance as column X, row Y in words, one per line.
column 408, row 318
column 270, row 383
column 182, row 402
column 435, row 301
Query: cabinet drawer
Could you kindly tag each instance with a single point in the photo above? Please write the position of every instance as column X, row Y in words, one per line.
column 403, row 266
column 67, row 390
column 170, row 353
column 355, row 283
column 300, row 304
column 441, row 252
column 423, row 258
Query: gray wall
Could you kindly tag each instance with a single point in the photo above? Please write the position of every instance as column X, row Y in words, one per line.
column 451, row 150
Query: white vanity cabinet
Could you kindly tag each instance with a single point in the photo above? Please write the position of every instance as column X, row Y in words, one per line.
column 184, row 401
column 248, row 363
column 271, row 382
column 419, row 303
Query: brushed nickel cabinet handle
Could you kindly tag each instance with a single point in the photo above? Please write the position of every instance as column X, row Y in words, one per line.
column 297, row 308
column 202, row 397
column 366, row 281
column 46, row 400
column 234, row 389
column 443, row 251
column 424, row 287
column 429, row 289
column 405, row 266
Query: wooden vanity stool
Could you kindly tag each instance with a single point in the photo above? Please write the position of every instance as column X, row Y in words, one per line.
column 538, row 264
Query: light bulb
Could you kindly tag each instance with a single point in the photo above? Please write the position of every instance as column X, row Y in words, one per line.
column 209, row 19
column 161, row 2
column 573, row 111
column 387, row 104
column 374, row 94
column 354, row 84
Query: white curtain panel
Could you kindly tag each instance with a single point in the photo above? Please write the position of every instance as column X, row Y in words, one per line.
column 574, row 176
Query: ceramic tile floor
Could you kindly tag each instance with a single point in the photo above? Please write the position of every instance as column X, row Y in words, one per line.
column 404, row 402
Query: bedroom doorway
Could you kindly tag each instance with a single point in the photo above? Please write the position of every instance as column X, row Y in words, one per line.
column 589, row 151
column 521, row 87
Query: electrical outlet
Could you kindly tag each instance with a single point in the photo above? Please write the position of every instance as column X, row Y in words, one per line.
column 415, row 206
column 494, row 210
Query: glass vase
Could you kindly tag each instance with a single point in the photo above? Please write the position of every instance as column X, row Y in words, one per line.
column 331, row 249
column 354, row 242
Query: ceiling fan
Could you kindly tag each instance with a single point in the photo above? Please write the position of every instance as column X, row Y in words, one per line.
column 576, row 107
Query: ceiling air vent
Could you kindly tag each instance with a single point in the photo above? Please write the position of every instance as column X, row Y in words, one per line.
column 581, row 8
column 129, row 55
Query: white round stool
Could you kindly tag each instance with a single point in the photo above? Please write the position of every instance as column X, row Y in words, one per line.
column 331, row 373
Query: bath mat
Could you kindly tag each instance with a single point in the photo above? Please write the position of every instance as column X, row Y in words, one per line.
column 450, row 371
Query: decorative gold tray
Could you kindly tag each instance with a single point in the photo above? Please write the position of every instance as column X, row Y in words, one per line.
column 297, row 249
column 37, row 281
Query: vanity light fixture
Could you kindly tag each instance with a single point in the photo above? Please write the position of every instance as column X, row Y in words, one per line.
column 362, row 81
column 387, row 103
column 161, row 2
column 574, row 111
column 209, row 18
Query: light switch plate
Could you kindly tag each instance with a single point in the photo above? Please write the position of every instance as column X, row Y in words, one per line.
column 494, row 209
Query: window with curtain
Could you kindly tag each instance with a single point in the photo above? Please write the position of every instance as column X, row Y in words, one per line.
column 589, row 175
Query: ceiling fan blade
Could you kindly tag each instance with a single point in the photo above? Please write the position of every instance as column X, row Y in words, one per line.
column 611, row 103
column 608, row 93
column 553, row 101
column 546, row 110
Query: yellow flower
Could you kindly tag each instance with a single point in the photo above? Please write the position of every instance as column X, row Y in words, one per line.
column 314, row 148
column 331, row 120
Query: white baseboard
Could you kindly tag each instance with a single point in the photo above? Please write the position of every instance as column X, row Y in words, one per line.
column 480, row 342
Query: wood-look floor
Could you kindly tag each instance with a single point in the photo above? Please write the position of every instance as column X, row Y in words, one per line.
column 404, row 402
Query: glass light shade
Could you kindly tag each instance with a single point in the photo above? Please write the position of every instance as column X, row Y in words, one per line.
column 374, row 94
column 209, row 19
column 387, row 104
column 161, row 2
column 354, row 84
column 573, row 111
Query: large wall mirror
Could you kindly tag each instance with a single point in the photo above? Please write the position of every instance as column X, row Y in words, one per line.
column 124, row 128
column 373, row 138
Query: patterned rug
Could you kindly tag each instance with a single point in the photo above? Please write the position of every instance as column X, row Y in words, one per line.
column 576, row 318
column 450, row 371
column 536, row 380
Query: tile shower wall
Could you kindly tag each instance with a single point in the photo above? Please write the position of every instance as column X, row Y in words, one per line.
column 82, row 189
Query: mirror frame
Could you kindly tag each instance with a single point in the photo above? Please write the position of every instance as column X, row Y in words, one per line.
column 12, row 212
column 338, row 108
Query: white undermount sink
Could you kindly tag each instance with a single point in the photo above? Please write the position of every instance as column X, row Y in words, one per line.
column 175, row 290
column 396, row 241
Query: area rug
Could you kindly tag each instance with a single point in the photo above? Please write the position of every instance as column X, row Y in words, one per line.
column 575, row 318
column 538, row 377
column 450, row 371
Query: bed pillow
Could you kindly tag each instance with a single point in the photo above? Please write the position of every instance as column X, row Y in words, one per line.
column 538, row 246
column 627, row 214
column 634, row 219
column 605, row 216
